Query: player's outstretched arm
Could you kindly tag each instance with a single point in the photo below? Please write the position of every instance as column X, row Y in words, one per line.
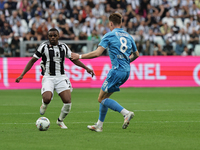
column 93, row 54
column 26, row 69
column 134, row 56
column 80, row 64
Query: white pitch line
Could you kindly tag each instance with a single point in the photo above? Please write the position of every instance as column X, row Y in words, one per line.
column 117, row 122
column 98, row 111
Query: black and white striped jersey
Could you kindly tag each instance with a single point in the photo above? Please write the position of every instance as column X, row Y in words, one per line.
column 53, row 58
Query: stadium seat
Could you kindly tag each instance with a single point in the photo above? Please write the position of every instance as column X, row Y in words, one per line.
column 179, row 22
column 189, row 46
column 186, row 21
column 174, row 45
column 197, row 50
column 30, row 23
column 9, row 40
column 54, row 21
column 25, row 25
column 160, row 41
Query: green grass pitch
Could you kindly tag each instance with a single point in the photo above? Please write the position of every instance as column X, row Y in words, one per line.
column 165, row 119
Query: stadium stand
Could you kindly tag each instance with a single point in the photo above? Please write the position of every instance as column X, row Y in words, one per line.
column 87, row 20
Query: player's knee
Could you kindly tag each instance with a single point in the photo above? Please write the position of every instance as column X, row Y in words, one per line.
column 46, row 99
column 65, row 101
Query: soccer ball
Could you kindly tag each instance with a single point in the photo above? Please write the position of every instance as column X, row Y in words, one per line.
column 43, row 123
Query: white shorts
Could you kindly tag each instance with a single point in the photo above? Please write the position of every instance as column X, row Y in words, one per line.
column 58, row 83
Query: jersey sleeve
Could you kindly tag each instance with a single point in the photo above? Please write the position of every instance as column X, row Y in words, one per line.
column 39, row 51
column 105, row 41
column 68, row 51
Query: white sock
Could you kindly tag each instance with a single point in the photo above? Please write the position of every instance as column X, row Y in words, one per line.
column 44, row 105
column 99, row 123
column 124, row 112
column 64, row 111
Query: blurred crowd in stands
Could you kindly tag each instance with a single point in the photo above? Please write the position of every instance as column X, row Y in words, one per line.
column 159, row 27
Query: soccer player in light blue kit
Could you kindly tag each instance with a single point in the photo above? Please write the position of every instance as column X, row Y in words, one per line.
column 122, row 51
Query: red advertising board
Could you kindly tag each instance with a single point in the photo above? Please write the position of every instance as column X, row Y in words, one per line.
column 146, row 71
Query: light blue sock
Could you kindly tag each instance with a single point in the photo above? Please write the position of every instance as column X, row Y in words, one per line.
column 112, row 104
column 102, row 112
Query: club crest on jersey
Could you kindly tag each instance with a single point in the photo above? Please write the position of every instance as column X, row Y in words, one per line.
column 50, row 47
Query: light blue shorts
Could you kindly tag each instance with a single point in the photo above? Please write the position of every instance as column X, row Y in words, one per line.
column 114, row 80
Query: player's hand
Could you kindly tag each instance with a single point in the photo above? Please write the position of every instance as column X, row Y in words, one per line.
column 74, row 56
column 90, row 71
column 18, row 79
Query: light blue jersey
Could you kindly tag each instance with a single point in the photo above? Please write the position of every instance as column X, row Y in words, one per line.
column 120, row 45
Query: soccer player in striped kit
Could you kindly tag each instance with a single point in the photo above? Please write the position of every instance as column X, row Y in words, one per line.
column 53, row 55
